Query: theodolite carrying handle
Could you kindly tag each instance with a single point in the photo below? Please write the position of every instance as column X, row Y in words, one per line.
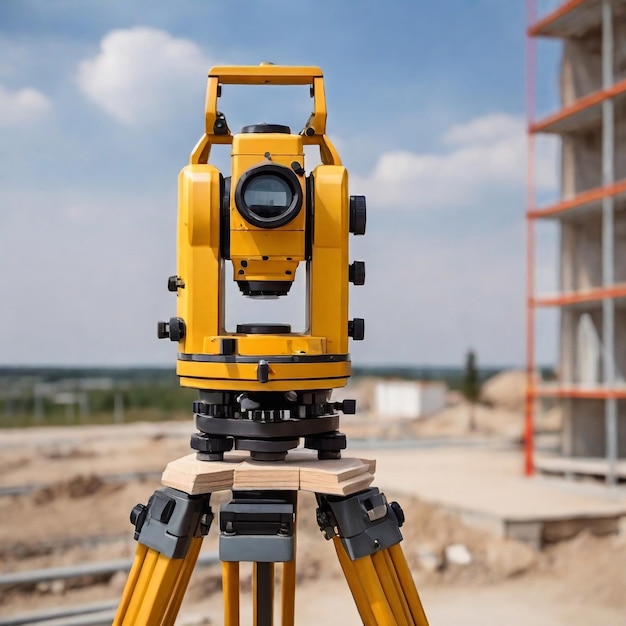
column 216, row 129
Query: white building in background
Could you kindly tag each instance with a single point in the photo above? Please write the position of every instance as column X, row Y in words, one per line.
column 403, row 399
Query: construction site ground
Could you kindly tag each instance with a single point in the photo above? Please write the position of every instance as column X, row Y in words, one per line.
column 83, row 481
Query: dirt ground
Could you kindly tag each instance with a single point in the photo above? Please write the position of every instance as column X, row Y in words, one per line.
column 76, row 513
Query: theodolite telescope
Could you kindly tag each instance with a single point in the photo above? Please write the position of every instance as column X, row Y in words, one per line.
column 264, row 386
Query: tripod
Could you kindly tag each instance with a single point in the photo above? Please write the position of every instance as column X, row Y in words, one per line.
column 263, row 388
column 259, row 526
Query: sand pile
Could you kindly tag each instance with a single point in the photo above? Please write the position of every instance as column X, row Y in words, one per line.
column 506, row 390
column 457, row 420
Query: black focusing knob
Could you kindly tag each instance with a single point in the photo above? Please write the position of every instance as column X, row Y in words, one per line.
column 358, row 215
column 356, row 328
column 174, row 330
column 174, row 283
column 347, row 407
column 356, row 273
column 177, row 328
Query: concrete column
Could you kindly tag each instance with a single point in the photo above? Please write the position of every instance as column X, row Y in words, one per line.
column 608, row 256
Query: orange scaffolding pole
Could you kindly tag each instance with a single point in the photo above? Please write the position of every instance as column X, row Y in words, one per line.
column 535, row 27
column 576, row 392
column 586, row 102
column 578, row 297
column 581, row 199
column 529, row 465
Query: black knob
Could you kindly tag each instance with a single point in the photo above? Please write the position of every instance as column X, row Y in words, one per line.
column 297, row 168
column 347, row 407
column 211, row 443
column 356, row 273
column 220, row 127
column 177, row 328
column 328, row 446
column 138, row 516
column 174, row 283
column 174, row 329
column 358, row 215
column 398, row 512
column 356, row 328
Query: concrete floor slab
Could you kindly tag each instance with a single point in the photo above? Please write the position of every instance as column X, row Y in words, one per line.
column 486, row 487
column 579, row 466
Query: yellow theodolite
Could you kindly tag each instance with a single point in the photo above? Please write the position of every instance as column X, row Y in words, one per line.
column 263, row 388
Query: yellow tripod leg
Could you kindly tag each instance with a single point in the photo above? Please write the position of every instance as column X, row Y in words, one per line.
column 406, row 581
column 356, row 588
column 366, row 572
column 140, row 579
column 288, row 594
column 396, row 581
column 149, row 603
column 182, row 582
column 131, row 584
column 389, row 589
column 230, row 590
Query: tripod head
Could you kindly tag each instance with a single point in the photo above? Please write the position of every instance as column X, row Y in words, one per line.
column 266, row 221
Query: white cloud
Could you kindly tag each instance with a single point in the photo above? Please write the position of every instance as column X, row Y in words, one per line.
column 25, row 106
column 143, row 75
column 481, row 158
column 487, row 129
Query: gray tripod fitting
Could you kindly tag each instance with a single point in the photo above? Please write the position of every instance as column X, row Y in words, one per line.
column 365, row 522
column 170, row 520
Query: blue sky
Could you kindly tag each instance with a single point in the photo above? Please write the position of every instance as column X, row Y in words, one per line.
column 102, row 101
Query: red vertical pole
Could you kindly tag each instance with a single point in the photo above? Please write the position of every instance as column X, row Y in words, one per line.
column 529, row 466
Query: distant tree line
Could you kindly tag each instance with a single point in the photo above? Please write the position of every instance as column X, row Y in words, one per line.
column 133, row 394
column 454, row 377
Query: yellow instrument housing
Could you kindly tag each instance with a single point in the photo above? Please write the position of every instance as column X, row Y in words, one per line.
column 271, row 254
column 317, row 237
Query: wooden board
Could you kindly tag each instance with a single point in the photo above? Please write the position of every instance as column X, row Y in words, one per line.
column 252, row 474
column 340, row 488
column 195, row 477
column 336, row 476
column 301, row 470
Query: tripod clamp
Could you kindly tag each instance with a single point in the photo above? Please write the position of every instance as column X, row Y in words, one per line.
column 170, row 520
column 258, row 526
column 365, row 522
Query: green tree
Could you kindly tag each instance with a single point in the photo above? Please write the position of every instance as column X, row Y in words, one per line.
column 470, row 386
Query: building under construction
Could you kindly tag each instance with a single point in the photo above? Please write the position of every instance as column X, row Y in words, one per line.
column 591, row 297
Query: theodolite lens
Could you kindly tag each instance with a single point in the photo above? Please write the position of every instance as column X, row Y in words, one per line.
column 268, row 195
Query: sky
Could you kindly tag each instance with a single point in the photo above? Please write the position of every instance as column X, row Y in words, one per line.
column 101, row 103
